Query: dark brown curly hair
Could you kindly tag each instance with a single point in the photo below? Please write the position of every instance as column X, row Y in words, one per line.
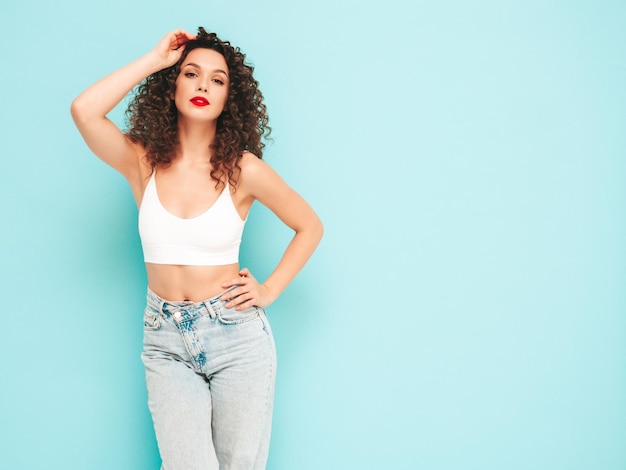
column 152, row 116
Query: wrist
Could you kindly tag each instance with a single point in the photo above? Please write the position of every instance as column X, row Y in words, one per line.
column 271, row 296
column 153, row 62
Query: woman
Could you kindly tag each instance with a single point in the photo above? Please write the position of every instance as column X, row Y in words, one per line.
column 192, row 157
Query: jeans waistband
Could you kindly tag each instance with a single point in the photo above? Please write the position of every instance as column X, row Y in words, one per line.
column 186, row 309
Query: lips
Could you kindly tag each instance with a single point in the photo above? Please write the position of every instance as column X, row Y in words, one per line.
column 199, row 101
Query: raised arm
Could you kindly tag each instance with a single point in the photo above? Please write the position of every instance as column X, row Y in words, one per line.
column 91, row 107
column 264, row 184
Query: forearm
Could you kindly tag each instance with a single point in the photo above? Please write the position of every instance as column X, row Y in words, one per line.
column 101, row 97
column 293, row 260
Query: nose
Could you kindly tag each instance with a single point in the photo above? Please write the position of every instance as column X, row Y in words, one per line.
column 203, row 84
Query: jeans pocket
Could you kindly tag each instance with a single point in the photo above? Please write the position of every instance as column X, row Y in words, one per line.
column 230, row 316
column 151, row 319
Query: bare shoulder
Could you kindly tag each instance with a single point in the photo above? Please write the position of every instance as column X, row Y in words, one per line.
column 251, row 165
column 259, row 181
column 257, row 176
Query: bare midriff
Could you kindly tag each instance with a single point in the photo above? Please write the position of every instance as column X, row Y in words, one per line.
column 195, row 283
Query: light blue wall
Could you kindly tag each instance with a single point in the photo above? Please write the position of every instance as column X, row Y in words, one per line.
column 467, row 307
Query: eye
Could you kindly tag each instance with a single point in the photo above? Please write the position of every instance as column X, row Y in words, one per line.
column 218, row 81
column 190, row 74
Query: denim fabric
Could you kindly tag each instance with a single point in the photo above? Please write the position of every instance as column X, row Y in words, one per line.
column 210, row 373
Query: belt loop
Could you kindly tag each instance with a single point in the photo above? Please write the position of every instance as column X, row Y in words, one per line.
column 210, row 309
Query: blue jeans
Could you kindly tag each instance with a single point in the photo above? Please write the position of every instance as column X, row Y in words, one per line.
column 210, row 373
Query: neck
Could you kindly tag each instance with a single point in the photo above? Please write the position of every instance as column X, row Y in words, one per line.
column 194, row 139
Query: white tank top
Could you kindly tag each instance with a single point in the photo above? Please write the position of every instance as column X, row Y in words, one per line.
column 210, row 239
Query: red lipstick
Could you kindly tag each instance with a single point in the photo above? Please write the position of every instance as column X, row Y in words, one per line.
column 199, row 101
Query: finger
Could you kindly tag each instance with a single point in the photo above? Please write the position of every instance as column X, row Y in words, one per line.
column 242, row 288
column 183, row 34
column 178, row 39
column 233, row 293
column 178, row 43
column 240, row 300
column 237, row 281
column 243, row 302
column 245, row 305
column 183, row 38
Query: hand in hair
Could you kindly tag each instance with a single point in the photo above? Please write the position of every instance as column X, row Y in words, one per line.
column 170, row 48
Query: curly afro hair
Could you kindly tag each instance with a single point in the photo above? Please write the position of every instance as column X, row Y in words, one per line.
column 152, row 115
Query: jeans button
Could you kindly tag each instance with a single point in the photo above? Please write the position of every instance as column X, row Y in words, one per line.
column 177, row 315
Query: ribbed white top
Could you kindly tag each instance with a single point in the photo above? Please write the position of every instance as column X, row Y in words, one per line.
column 210, row 239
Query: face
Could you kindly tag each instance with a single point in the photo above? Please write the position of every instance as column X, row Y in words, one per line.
column 202, row 85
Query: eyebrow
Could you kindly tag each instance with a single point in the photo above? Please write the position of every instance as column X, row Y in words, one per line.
column 191, row 64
